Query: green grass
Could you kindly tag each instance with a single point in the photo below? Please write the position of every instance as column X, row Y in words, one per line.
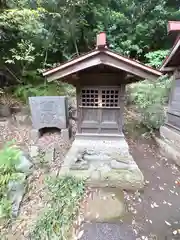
column 56, row 222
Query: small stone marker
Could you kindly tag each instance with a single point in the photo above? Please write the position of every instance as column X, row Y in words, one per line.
column 49, row 112
column 34, row 135
column 49, row 154
column 34, row 151
column 104, row 205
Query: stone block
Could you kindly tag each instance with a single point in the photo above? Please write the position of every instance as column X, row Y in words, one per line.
column 49, row 112
column 96, row 175
column 49, row 154
column 34, row 135
column 65, row 134
column 25, row 165
column 170, row 135
column 80, row 165
column 96, row 157
column 96, row 205
column 16, row 191
column 168, row 151
column 33, row 151
column 21, row 118
column 119, row 165
column 100, row 174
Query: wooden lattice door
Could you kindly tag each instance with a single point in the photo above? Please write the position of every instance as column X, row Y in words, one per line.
column 99, row 110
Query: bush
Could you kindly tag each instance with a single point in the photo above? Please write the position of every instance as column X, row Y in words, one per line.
column 150, row 99
column 47, row 89
column 9, row 158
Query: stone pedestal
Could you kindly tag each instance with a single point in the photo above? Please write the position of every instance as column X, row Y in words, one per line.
column 103, row 163
column 169, row 143
column 170, row 135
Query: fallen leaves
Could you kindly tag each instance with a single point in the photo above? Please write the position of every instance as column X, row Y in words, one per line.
column 164, row 202
column 150, row 221
column 80, row 234
column 177, row 231
column 154, row 205
column 167, row 223
column 161, row 188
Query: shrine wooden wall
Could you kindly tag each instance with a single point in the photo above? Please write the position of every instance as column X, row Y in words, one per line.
column 173, row 113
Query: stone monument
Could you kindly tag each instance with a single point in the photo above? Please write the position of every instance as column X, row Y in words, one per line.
column 48, row 112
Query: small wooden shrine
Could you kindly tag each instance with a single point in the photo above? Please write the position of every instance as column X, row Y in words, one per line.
column 100, row 153
column 100, row 77
column 171, row 66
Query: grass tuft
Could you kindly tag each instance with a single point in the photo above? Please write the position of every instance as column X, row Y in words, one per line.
column 56, row 222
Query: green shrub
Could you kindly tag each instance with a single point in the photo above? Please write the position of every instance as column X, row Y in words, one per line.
column 150, row 99
column 9, row 158
column 56, row 222
column 47, row 89
column 155, row 58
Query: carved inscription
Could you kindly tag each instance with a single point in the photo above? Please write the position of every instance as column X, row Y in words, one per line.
column 48, row 112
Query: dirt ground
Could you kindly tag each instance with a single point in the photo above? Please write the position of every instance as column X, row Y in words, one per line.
column 158, row 212
column 155, row 211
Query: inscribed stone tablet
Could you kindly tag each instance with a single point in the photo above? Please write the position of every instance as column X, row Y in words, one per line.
column 49, row 111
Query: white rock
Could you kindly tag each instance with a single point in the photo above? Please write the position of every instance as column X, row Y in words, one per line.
column 25, row 165
column 34, row 151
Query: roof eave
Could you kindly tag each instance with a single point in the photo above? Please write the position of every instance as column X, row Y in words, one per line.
column 71, row 62
column 170, row 56
column 107, row 57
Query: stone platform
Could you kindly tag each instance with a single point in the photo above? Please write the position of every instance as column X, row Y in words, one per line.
column 103, row 163
column 169, row 143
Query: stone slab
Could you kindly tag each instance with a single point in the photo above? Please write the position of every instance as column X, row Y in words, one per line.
column 168, row 150
column 65, row 134
column 170, row 135
column 97, row 202
column 107, row 231
column 33, row 151
column 100, row 172
column 34, row 135
column 49, row 154
column 49, row 111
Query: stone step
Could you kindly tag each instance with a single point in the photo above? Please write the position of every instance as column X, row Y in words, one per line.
column 107, row 231
column 168, row 150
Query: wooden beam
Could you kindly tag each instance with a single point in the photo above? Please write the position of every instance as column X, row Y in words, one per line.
column 168, row 69
column 74, row 68
column 173, row 51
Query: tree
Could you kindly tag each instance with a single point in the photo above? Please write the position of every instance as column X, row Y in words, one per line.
column 59, row 30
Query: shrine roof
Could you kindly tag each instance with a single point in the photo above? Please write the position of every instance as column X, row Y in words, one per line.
column 172, row 60
column 102, row 55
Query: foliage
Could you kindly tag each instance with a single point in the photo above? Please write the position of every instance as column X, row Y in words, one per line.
column 59, row 29
column 156, row 58
column 24, row 91
column 22, row 55
column 9, row 158
column 56, row 222
column 37, row 34
column 150, row 98
column 8, row 100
